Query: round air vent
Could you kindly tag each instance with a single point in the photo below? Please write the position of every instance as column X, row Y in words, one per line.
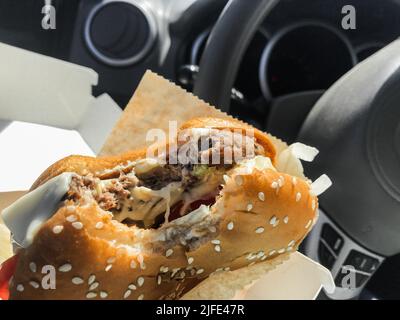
column 120, row 33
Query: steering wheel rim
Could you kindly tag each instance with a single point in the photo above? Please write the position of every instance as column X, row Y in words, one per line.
column 233, row 30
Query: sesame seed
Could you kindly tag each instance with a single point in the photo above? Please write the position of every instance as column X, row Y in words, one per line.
column 281, row 250
column 108, row 267
column 142, row 265
column 183, row 274
column 226, row 178
column 190, row 260
column 159, row 280
column 127, row 294
column 164, row 269
column 71, row 218
column 141, row 297
column 70, row 208
column 308, row 224
column 251, row 256
column 212, row 229
column 132, row 287
column 91, row 279
column 133, row 264
column 294, row 180
column 140, row 258
column 259, row 230
column 291, row 243
column 34, row 284
column 249, row 207
column 103, row 294
column 273, row 221
column 272, row 252
column 239, row 180
column 140, row 281
column 313, row 204
column 274, row 185
column 286, row 219
column 227, row 268
column 298, row 196
column 20, row 288
column 99, row 225
column 281, row 180
column 93, row 286
column 263, row 258
column 77, row 280
column 217, row 248
column 174, row 271
column 199, row 271
column 32, row 267
column 111, row 260
column 77, row 225
column 260, row 254
column 57, row 229
column 65, row 268
column 230, row 225
column 289, row 249
column 261, row 196
column 91, row 295
column 169, row 252
column 215, row 241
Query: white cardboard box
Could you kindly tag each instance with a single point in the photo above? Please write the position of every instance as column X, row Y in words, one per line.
column 47, row 112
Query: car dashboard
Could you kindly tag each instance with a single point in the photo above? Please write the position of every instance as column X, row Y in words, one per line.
column 291, row 52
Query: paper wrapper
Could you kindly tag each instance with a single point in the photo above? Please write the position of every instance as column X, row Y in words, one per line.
column 156, row 102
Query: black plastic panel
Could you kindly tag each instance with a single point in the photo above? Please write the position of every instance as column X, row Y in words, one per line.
column 326, row 258
column 332, row 238
column 362, row 262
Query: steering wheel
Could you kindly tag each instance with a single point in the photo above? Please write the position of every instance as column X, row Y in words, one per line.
column 355, row 125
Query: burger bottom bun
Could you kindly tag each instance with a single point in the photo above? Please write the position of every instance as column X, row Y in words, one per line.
column 258, row 216
column 229, row 285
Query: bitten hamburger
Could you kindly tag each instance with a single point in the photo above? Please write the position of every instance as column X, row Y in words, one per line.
column 140, row 227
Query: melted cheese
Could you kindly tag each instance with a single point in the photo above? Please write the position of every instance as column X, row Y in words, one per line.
column 25, row 216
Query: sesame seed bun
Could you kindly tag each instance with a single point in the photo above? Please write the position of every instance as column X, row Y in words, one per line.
column 260, row 216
